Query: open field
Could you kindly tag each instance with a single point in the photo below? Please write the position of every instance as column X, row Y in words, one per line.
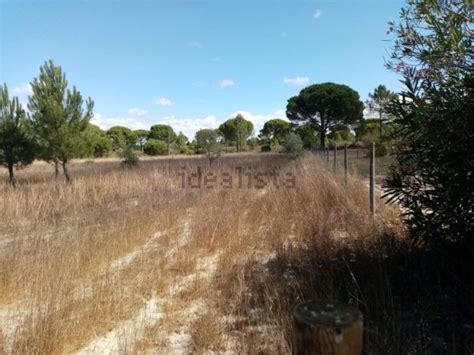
column 145, row 261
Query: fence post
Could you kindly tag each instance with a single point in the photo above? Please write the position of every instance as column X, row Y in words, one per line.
column 327, row 155
column 335, row 158
column 372, row 179
column 345, row 164
column 327, row 328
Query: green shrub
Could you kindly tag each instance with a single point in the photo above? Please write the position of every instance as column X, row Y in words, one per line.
column 380, row 149
column 432, row 176
column 155, row 147
column 266, row 148
column 293, row 144
column 129, row 157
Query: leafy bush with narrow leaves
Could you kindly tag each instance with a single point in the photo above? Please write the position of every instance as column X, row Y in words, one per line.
column 433, row 176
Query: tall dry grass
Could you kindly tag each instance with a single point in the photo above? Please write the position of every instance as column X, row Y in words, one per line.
column 128, row 261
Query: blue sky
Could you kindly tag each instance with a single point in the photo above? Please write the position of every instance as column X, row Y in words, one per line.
column 193, row 64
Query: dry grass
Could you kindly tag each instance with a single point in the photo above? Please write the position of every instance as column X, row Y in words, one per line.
column 127, row 261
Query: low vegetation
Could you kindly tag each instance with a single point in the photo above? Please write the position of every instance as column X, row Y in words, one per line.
column 138, row 260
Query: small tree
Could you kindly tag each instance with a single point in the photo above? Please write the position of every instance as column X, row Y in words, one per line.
column 293, row 144
column 155, row 147
column 208, row 142
column 16, row 142
column 274, row 132
column 379, row 102
column 163, row 133
column 58, row 115
column 94, row 142
column 129, row 157
column 181, row 143
column 236, row 130
column 121, row 137
column 325, row 105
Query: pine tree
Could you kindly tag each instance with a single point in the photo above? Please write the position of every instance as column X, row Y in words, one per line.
column 379, row 101
column 58, row 115
column 16, row 142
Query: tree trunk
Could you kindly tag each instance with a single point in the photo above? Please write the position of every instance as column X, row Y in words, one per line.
column 380, row 119
column 11, row 174
column 56, row 169
column 322, row 138
column 66, row 172
column 322, row 132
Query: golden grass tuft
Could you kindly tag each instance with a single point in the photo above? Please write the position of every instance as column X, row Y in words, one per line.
column 222, row 268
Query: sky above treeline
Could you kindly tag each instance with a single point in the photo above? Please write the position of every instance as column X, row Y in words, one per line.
column 194, row 64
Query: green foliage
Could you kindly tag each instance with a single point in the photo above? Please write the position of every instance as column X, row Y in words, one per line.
column 207, row 141
column 325, row 105
column 308, row 135
column 433, row 173
column 155, row 147
column 94, row 143
column 129, row 157
column 121, row 137
column 378, row 103
column 180, row 144
column 380, row 149
column 163, row 133
column 236, row 130
column 187, row 149
column 341, row 134
column 16, row 142
column 293, row 144
column 368, row 132
column 58, row 115
column 274, row 132
column 252, row 143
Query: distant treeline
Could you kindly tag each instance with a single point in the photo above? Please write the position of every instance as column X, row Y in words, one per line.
column 56, row 126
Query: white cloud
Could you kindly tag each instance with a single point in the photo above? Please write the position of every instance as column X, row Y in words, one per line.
column 216, row 59
column 296, row 81
column 24, row 105
column 317, row 14
column 226, row 83
column 105, row 122
column 195, row 44
column 23, row 89
column 283, row 35
column 259, row 120
column 189, row 126
column 137, row 112
column 163, row 101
